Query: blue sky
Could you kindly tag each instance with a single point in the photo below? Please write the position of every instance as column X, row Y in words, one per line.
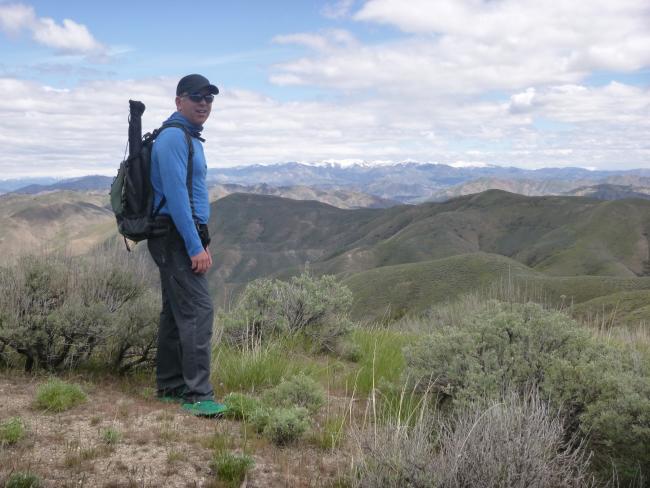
column 464, row 82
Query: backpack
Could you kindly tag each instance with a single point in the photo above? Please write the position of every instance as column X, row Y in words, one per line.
column 131, row 191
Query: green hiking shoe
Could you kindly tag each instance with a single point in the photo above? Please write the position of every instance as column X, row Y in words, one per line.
column 206, row 408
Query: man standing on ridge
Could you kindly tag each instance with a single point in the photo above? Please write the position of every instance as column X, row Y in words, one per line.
column 182, row 255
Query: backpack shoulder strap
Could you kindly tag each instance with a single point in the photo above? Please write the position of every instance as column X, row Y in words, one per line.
column 190, row 164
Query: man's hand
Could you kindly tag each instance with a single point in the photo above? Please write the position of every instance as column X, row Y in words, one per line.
column 201, row 262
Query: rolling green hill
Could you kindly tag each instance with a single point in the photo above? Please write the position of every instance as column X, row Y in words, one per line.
column 415, row 287
column 558, row 235
column 411, row 256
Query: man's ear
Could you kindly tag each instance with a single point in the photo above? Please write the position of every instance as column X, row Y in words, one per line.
column 178, row 103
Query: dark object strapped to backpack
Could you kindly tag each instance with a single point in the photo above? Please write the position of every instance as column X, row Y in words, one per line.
column 131, row 190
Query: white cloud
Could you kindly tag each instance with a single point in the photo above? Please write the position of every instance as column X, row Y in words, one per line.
column 469, row 46
column 338, row 9
column 15, row 17
column 83, row 130
column 67, row 37
column 522, row 102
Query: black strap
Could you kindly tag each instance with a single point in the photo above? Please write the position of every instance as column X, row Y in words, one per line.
column 190, row 165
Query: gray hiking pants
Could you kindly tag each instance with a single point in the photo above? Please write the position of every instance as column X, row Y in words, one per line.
column 185, row 330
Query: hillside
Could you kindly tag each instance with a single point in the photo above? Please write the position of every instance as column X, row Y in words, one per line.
column 522, row 186
column 255, row 236
column 549, row 233
column 416, row 287
column 337, row 197
column 75, row 221
column 84, row 183
column 547, row 240
column 607, row 191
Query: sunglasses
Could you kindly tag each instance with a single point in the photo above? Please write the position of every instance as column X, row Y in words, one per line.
column 197, row 97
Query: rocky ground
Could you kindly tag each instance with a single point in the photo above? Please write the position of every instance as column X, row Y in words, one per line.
column 158, row 445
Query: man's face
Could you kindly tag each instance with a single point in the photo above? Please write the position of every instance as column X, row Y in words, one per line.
column 196, row 112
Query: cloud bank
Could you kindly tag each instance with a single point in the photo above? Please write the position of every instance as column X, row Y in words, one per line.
column 506, row 82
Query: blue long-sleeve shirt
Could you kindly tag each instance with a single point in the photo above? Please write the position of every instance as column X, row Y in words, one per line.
column 169, row 178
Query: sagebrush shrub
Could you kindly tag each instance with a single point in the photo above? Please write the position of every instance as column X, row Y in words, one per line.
column 286, row 425
column 134, row 333
column 513, row 442
column 603, row 389
column 395, row 455
column 58, row 311
column 260, row 418
column 298, row 391
column 319, row 307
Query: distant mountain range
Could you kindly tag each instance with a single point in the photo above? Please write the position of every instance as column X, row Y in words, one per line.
column 84, row 183
column 416, row 183
column 383, row 185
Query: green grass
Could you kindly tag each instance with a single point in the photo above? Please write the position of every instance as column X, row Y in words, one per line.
column 331, row 433
column 111, row 436
column 11, row 431
column 24, row 480
column 260, row 366
column 241, row 406
column 231, row 468
column 57, row 396
column 628, row 308
column 381, row 360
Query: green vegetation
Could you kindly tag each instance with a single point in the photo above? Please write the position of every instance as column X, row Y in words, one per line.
column 11, row 431
column 270, row 308
column 455, row 373
column 513, row 441
column 24, row 480
column 331, row 433
column 111, row 436
column 267, row 332
column 380, row 360
column 231, row 468
column 258, row 366
column 286, row 425
column 240, row 406
column 57, row 396
column 416, row 287
column 298, row 391
column 602, row 388
column 60, row 312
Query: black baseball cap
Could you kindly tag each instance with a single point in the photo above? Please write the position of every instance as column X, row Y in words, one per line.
column 194, row 84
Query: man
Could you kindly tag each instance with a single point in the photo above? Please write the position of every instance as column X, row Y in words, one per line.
column 182, row 255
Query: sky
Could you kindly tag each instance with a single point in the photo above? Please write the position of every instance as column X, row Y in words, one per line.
column 526, row 83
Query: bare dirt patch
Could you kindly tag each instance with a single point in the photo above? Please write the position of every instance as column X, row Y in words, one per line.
column 158, row 445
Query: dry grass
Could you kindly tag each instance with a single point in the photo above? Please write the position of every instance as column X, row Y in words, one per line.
column 512, row 443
